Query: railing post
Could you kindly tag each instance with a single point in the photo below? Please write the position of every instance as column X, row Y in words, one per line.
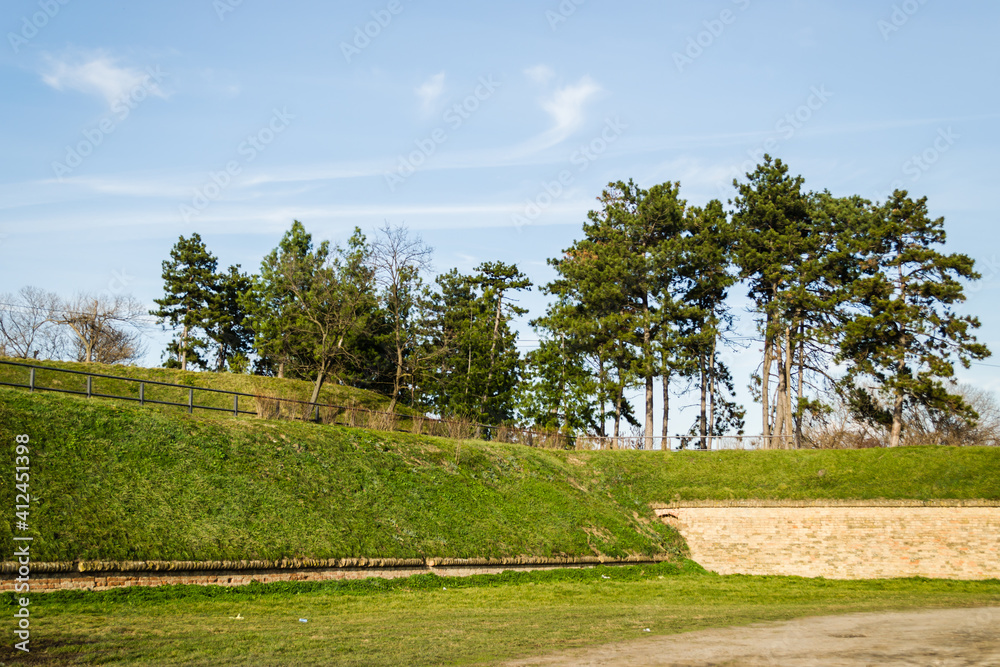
column 31, row 382
column 142, row 393
column 190, row 400
column 236, row 405
column 89, row 385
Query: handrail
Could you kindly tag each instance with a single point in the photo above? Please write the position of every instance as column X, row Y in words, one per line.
column 477, row 428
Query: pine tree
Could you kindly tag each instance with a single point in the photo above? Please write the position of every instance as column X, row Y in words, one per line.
column 189, row 285
column 701, row 258
column 226, row 321
column 908, row 333
column 480, row 367
column 773, row 227
column 271, row 304
column 559, row 389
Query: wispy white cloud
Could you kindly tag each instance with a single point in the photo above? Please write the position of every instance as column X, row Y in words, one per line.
column 430, row 92
column 566, row 107
column 98, row 73
column 540, row 73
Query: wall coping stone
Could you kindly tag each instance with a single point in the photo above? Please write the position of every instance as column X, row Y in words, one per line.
column 100, row 567
column 878, row 502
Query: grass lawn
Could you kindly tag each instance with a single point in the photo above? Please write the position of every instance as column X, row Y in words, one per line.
column 427, row 620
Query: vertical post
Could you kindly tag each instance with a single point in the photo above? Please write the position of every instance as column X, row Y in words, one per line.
column 90, row 386
column 190, row 400
column 31, row 381
column 236, row 405
column 142, row 393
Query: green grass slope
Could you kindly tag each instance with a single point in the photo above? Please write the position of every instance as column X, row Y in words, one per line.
column 301, row 390
column 118, row 482
column 121, row 482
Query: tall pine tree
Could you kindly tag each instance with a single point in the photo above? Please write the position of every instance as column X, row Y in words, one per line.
column 189, row 287
column 908, row 335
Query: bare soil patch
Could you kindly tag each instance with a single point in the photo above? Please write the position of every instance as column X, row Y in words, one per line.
column 938, row 637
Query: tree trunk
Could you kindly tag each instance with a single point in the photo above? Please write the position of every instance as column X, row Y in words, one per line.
column 648, row 430
column 320, row 377
column 778, row 427
column 765, row 385
column 664, row 431
column 183, row 350
column 281, row 369
column 897, row 420
column 398, row 380
column 618, row 417
column 711, row 394
column 787, row 370
column 602, row 394
column 493, row 347
column 702, row 421
column 798, row 403
column 647, row 353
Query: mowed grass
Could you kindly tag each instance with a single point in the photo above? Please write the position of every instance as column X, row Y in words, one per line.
column 287, row 388
column 113, row 482
column 428, row 620
column 122, row 482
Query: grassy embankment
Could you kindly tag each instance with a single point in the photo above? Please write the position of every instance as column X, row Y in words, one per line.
column 123, row 482
column 255, row 385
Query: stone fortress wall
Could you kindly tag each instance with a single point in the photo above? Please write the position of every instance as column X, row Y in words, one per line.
column 953, row 539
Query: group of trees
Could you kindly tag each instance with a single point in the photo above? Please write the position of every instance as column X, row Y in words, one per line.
column 642, row 296
column 835, row 283
column 361, row 315
column 854, row 303
column 105, row 328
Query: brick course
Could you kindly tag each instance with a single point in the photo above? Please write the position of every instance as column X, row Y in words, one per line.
column 103, row 576
column 843, row 540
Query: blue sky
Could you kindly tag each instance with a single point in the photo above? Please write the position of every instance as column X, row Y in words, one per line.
column 488, row 128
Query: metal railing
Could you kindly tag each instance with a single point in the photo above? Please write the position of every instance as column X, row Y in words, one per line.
column 89, row 391
column 269, row 406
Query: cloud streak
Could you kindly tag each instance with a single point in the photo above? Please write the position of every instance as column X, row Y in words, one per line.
column 97, row 74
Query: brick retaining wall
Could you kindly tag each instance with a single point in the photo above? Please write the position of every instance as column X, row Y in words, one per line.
column 843, row 539
column 101, row 576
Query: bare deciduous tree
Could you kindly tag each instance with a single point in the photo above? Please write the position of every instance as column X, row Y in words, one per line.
column 27, row 328
column 398, row 260
column 106, row 328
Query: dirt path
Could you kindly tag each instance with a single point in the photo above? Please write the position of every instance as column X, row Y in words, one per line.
column 937, row 637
